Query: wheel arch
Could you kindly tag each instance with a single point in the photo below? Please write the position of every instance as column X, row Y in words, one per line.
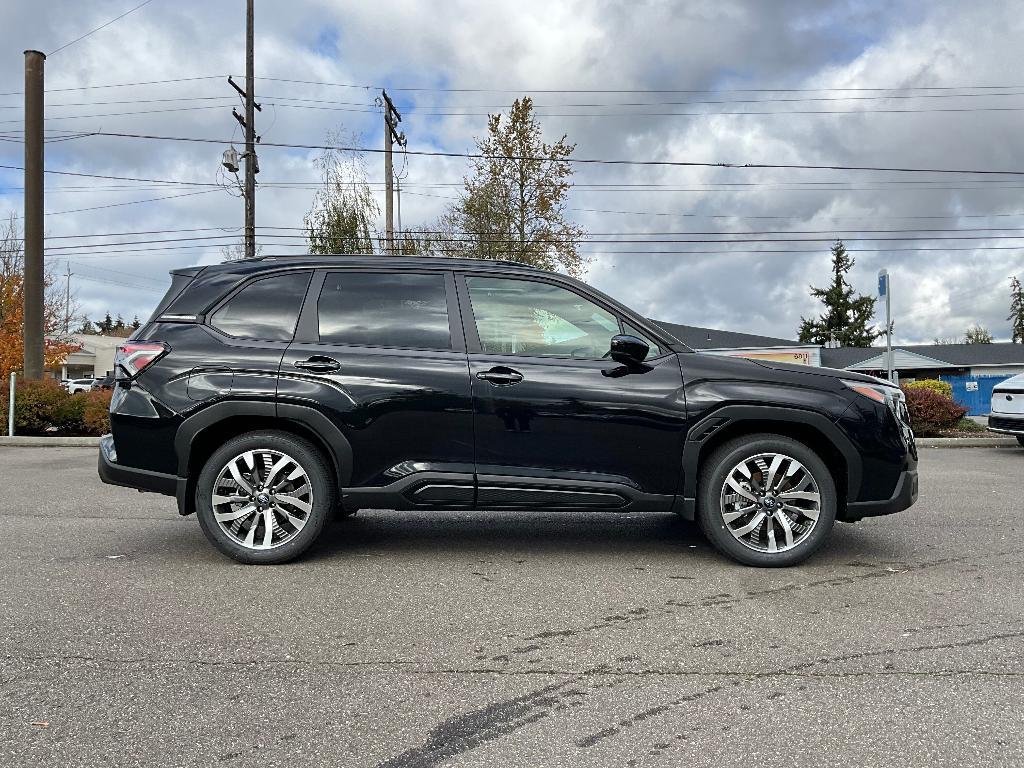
column 199, row 436
column 812, row 429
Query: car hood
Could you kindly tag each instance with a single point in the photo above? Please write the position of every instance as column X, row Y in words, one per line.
column 834, row 373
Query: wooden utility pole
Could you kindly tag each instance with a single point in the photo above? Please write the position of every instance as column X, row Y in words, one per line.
column 250, row 136
column 391, row 137
column 67, row 301
column 33, row 279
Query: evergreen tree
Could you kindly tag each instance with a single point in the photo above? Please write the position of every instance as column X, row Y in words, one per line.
column 106, row 325
column 135, row 323
column 87, row 326
column 119, row 324
column 1016, row 316
column 847, row 317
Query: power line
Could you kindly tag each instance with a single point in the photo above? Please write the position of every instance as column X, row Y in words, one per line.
column 123, row 85
column 102, row 26
column 521, row 90
column 585, row 161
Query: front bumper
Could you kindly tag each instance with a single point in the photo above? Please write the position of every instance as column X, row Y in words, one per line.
column 1006, row 424
column 144, row 480
column 903, row 497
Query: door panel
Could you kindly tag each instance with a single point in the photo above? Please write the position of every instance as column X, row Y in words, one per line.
column 406, row 413
column 544, row 408
column 568, row 416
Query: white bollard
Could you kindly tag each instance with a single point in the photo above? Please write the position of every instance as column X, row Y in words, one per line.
column 10, row 409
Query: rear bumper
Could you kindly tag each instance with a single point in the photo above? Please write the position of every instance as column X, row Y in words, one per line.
column 1006, row 424
column 113, row 473
column 903, row 497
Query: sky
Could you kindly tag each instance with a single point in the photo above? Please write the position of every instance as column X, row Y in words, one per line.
column 803, row 82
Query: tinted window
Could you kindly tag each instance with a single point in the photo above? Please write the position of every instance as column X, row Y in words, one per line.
column 266, row 309
column 522, row 317
column 384, row 310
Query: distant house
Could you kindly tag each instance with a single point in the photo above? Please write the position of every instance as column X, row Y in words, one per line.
column 95, row 358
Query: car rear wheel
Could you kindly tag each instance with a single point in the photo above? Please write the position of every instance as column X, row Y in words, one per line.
column 766, row 500
column 264, row 497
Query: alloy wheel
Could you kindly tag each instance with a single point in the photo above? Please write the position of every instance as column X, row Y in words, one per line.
column 262, row 498
column 770, row 502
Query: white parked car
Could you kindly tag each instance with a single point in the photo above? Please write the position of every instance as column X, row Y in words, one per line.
column 79, row 385
column 1007, row 415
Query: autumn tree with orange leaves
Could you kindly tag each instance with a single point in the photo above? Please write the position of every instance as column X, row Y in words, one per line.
column 12, row 307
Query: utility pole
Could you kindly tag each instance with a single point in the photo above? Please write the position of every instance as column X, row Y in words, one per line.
column 248, row 123
column 250, row 136
column 67, row 301
column 33, row 279
column 392, row 136
column 398, row 200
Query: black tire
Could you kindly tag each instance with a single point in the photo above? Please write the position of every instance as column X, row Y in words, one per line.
column 714, row 474
column 1020, row 439
column 321, row 482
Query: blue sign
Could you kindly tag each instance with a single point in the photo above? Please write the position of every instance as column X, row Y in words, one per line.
column 883, row 284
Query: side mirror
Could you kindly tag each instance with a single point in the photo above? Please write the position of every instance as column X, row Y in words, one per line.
column 628, row 350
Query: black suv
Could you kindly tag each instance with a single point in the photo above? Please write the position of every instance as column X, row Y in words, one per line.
column 271, row 394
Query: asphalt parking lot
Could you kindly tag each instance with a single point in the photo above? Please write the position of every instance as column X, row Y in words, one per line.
column 509, row 639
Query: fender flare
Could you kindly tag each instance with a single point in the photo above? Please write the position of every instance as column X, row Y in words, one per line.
column 729, row 415
column 338, row 446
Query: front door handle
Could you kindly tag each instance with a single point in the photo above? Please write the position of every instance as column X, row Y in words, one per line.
column 319, row 364
column 501, row 376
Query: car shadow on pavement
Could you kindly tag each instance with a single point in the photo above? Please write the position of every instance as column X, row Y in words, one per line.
column 570, row 532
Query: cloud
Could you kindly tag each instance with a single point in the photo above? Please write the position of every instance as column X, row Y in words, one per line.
column 530, row 47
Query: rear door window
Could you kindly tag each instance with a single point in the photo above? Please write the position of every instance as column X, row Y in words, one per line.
column 266, row 309
column 408, row 311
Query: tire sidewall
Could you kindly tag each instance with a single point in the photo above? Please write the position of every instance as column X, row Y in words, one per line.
column 713, row 476
column 319, row 478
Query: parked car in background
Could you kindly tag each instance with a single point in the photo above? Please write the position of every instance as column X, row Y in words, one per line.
column 268, row 394
column 1007, row 416
column 106, row 382
column 78, row 385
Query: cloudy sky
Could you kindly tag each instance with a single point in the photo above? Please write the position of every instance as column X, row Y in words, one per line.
column 908, row 84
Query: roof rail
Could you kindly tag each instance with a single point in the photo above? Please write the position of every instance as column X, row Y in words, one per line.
column 507, row 262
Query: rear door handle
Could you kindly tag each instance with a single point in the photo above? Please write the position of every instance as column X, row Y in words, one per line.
column 501, row 376
column 319, row 364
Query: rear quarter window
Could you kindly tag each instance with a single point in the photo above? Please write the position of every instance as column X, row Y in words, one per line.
column 266, row 309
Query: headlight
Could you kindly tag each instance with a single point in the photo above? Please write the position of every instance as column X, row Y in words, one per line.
column 880, row 393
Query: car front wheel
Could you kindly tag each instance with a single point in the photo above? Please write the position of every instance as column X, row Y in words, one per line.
column 766, row 500
column 264, row 497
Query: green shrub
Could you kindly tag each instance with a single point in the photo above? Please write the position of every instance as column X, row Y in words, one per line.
column 45, row 408
column 38, row 406
column 96, row 412
column 930, row 412
column 968, row 425
column 943, row 388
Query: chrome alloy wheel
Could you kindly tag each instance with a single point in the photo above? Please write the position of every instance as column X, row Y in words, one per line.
column 262, row 498
column 770, row 502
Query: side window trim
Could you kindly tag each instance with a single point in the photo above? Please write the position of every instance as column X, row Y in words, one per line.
column 206, row 318
column 473, row 344
column 308, row 330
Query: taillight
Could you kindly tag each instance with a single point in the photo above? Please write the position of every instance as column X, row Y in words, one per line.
column 135, row 356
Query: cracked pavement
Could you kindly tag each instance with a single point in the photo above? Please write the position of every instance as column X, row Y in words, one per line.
column 511, row 639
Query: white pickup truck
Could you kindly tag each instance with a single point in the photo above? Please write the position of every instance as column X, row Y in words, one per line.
column 1007, row 416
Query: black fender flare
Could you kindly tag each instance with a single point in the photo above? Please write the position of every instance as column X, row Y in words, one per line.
column 329, row 434
column 729, row 415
